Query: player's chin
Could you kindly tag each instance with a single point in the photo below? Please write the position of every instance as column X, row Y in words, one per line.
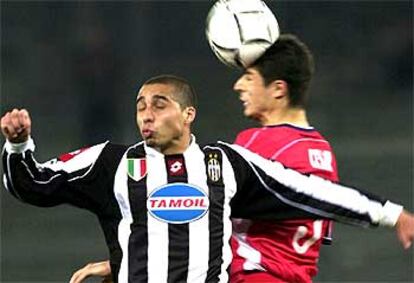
column 248, row 113
column 150, row 141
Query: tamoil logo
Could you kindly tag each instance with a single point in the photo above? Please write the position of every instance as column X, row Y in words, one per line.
column 178, row 203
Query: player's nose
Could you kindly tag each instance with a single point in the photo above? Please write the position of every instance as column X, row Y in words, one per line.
column 147, row 115
column 238, row 85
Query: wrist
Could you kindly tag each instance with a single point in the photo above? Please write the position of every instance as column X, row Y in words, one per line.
column 21, row 147
column 391, row 214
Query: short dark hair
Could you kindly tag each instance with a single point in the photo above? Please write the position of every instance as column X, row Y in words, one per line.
column 290, row 60
column 184, row 94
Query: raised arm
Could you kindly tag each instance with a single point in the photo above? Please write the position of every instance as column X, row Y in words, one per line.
column 267, row 189
column 78, row 178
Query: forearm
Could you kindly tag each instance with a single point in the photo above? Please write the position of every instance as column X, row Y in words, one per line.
column 277, row 187
column 23, row 179
column 67, row 180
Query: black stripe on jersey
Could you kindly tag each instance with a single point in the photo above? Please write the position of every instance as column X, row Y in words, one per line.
column 178, row 234
column 138, row 240
column 214, row 169
column 308, row 203
column 109, row 214
column 7, row 160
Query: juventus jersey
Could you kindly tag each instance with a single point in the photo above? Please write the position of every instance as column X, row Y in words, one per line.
column 166, row 218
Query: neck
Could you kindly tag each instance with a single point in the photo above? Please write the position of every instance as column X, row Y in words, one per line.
column 177, row 146
column 295, row 116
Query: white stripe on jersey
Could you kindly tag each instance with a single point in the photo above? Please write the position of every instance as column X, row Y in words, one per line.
column 124, row 230
column 82, row 160
column 230, row 186
column 5, row 182
column 42, row 182
column 315, row 187
column 199, row 235
column 157, row 230
column 77, row 163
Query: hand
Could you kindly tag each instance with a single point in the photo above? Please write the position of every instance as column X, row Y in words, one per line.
column 405, row 228
column 16, row 125
column 102, row 269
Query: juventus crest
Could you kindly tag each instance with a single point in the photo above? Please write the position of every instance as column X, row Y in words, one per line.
column 213, row 167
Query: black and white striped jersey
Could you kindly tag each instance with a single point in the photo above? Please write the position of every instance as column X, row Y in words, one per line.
column 166, row 218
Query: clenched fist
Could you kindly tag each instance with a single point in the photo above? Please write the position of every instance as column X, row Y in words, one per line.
column 16, row 125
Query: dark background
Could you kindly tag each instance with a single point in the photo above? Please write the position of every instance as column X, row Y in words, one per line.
column 76, row 67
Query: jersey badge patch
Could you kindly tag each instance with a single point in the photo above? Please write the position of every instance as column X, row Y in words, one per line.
column 213, row 167
column 178, row 203
column 137, row 168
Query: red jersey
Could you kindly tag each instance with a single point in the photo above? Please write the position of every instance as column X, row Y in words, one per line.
column 285, row 250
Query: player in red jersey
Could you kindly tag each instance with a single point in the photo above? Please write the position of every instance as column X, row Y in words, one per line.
column 273, row 91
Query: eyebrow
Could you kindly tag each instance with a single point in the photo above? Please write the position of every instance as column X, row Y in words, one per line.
column 155, row 97
column 249, row 72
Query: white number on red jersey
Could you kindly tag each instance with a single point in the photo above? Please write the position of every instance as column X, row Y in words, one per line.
column 320, row 159
column 302, row 232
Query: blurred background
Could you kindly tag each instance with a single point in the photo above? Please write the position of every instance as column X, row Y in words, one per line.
column 77, row 65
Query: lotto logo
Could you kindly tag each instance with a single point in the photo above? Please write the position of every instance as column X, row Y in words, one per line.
column 320, row 159
column 178, row 203
column 176, row 167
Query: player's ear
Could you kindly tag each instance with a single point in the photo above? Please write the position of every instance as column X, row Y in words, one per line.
column 189, row 114
column 279, row 89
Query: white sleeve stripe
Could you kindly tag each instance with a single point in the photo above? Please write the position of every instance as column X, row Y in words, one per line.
column 305, row 207
column 78, row 162
column 61, row 167
column 5, row 182
column 270, row 172
column 318, row 188
column 38, row 181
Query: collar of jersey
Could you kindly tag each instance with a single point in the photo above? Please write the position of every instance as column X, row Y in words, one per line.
column 150, row 151
column 309, row 128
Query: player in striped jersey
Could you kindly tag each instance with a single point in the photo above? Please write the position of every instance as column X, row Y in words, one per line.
column 164, row 204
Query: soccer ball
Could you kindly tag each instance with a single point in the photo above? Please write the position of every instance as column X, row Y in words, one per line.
column 240, row 31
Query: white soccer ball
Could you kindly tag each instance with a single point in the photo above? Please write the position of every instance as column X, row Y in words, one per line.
column 240, row 31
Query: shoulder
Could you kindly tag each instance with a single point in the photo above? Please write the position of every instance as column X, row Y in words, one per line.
column 244, row 136
column 297, row 140
column 232, row 151
column 114, row 151
column 114, row 148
